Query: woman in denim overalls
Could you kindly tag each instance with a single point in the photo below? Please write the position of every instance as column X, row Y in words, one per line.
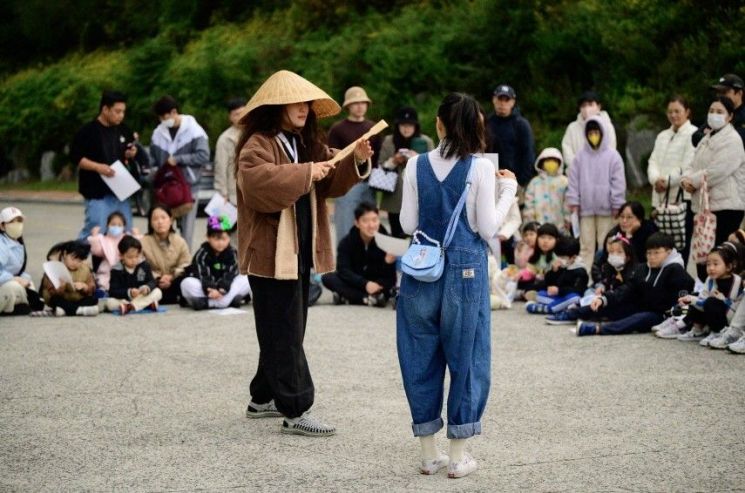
column 447, row 322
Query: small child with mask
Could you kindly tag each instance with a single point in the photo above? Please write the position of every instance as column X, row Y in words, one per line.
column 566, row 281
column 597, row 187
column 544, row 195
column 104, row 247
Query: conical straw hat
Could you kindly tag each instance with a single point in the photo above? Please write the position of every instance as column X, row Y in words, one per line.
column 285, row 87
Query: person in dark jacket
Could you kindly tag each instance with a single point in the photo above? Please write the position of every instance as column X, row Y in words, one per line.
column 730, row 86
column 641, row 302
column 633, row 226
column 214, row 280
column 566, row 281
column 509, row 134
column 365, row 274
column 132, row 286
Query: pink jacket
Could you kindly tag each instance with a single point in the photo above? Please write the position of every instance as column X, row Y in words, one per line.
column 107, row 248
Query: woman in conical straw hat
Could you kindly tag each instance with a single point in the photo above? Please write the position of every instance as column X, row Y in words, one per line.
column 284, row 177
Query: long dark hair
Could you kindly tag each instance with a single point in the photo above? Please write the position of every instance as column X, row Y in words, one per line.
column 461, row 116
column 267, row 119
column 154, row 208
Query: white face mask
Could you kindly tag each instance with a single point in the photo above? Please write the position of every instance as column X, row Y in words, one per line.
column 169, row 122
column 14, row 230
column 716, row 120
column 616, row 261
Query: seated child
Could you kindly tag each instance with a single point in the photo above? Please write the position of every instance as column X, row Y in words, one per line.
column 618, row 266
column 18, row 296
column 541, row 260
column 132, row 286
column 710, row 311
column 565, row 282
column 104, row 247
column 529, row 233
column 214, row 280
column 365, row 274
column 640, row 303
column 76, row 298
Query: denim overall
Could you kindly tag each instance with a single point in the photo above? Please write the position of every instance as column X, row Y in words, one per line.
column 446, row 322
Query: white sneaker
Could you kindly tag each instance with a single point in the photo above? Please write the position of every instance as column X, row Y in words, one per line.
column 462, row 468
column 87, row 311
column 727, row 336
column 59, row 312
column 268, row 410
column 665, row 323
column 708, row 339
column 738, row 346
column 693, row 335
column 431, row 466
column 670, row 331
column 307, row 425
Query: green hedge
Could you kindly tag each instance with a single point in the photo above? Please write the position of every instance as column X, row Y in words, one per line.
column 633, row 52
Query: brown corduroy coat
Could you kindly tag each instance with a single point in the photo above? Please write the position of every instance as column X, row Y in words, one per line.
column 268, row 185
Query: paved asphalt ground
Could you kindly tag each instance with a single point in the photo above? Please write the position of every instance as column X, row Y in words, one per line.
column 156, row 403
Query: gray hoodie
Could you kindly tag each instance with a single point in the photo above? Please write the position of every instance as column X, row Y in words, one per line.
column 190, row 147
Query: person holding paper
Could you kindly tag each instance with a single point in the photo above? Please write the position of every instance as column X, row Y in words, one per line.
column 73, row 297
column 284, row 177
column 180, row 141
column 96, row 146
column 17, row 293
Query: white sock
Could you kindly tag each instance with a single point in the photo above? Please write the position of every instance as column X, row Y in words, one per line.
column 429, row 447
column 457, row 449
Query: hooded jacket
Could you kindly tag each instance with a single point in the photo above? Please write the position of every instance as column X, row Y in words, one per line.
column 653, row 290
column 729, row 291
column 544, row 195
column 721, row 157
column 12, row 259
column 671, row 158
column 572, row 279
column 574, row 137
column 189, row 147
column 512, row 138
column 597, row 182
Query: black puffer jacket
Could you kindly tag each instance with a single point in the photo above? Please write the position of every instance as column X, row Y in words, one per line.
column 357, row 264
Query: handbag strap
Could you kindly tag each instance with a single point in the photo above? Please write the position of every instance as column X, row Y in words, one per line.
column 667, row 192
column 453, row 223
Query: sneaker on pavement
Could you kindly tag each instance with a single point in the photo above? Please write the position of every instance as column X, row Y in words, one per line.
column 462, row 468
column 268, row 410
column 727, row 336
column 738, row 346
column 125, row 308
column 708, row 339
column 534, row 307
column 307, row 425
column 431, row 466
column 338, row 299
column 586, row 329
column 567, row 317
column 671, row 331
column 693, row 335
column 668, row 322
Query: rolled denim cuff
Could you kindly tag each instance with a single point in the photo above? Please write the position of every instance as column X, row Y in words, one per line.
column 464, row 431
column 429, row 428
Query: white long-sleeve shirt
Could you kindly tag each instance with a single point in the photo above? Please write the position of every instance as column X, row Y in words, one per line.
column 486, row 206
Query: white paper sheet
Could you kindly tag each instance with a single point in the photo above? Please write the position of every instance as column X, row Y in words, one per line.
column 218, row 206
column 122, row 183
column 575, row 224
column 57, row 273
column 389, row 244
column 227, row 311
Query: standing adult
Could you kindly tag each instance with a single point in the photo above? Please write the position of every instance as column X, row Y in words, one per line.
column 180, row 141
column 447, row 323
column 720, row 157
column 225, row 153
column 670, row 159
column 509, row 134
column 406, row 141
column 97, row 145
column 340, row 136
column 574, row 138
column 284, row 177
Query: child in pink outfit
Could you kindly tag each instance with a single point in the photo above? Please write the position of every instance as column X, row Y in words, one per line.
column 105, row 247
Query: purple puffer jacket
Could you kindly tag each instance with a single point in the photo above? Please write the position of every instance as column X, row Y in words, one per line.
column 597, row 182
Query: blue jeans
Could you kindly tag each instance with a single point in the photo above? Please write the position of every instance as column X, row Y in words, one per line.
column 345, row 205
column 636, row 322
column 446, row 324
column 97, row 211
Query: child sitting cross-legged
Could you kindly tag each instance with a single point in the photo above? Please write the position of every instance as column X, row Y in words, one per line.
column 615, row 268
column 74, row 298
column 640, row 303
column 214, row 280
column 131, row 284
column 565, row 281
column 713, row 307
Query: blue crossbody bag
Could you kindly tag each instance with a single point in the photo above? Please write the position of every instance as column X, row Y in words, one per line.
column 426, row 262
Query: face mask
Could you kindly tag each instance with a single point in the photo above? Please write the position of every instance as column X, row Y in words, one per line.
column 551, row 166
column 14, row 230
column 594, row 139
column 716, row 121
column 116, row 230
column 617, row 261
column 169, row 122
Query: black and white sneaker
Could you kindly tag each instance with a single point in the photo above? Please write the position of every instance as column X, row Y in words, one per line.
column 307, row 425
column 268, row 410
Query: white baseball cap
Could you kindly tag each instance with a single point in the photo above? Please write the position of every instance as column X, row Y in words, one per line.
column 10, row 213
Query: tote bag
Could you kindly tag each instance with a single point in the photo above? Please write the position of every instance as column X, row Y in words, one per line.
column 704, row 229
column 383, row 179
column 671, row 219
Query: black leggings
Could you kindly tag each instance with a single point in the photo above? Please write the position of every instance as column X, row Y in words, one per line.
column 714, row 314
column 396, row 229
column 71, row 307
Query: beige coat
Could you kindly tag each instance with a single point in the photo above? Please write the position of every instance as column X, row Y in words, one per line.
column 268, row 187
column 225, row 164
column 172, row 258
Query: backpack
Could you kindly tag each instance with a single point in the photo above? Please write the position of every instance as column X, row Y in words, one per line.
column 171, row 189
